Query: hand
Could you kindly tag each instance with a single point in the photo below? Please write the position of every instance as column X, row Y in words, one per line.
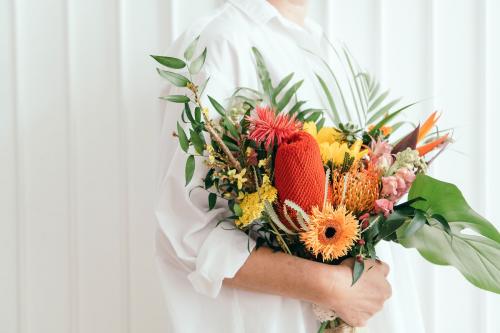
column 356, row 304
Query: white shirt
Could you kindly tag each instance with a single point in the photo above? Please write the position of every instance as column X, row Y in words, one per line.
column 194, row 255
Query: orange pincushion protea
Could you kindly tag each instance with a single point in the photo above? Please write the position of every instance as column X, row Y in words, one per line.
column 331, row 232
column 362, row 189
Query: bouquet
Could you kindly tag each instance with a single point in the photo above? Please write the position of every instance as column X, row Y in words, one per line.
column 327, row 193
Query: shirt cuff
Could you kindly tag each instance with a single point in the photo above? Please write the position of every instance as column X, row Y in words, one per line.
column 221, row 256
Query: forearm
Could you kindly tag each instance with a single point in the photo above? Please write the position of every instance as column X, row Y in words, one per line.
column 282, row 274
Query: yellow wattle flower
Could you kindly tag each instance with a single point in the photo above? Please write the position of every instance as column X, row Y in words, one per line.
column 252, row 204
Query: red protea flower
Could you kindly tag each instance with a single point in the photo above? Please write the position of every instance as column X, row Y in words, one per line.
column 266, row 126
column 299, row 175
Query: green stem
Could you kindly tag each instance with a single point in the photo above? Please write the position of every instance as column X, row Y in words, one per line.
column 323, row 326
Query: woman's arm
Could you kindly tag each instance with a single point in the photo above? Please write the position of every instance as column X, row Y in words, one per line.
column 330, row 286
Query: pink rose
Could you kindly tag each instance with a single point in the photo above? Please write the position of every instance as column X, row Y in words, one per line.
column 380, row 148
column 384, row 162
column 406, row 174
column 381, row 154
column 384, row 206
column 364, row 216
column 389, row 186
column 394, row 187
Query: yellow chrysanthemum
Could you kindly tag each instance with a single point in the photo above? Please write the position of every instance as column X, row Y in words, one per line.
column 331, row 232
column 252, row 204
column 310, row 127
column 331, row 144
column 336, row 152
column 325, row 134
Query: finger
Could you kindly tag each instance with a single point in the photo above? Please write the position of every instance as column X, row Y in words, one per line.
column 348, row 262
column 388, row 289
column 383, row 267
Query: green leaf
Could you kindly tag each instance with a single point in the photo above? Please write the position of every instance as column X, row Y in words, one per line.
column 446, row 200
column 314, row 116
column 183, row 140
column 198, row 142
column 189, row 52
column 212, row 199
column 281, row 86
column 441, row 220
column 170, row 62
column 296, row 107
column 231, row 128
column 187, row 111
column 219, row 108
column 263, row 73
column 197, row 64
column 378, row 101
column 329, row 97
column 391, row 116
column 288, row 95
column 357, row 271
column 237, row 210
column 416, row 223
column 232, row 146
column 361, row 99
column 476, row 257
column 371, row 250
column 197, row 114
column 177, row 98
column 203, row 86
column 388, row 226
column 189, row 171
column 174, row 78
column 383, row 111
column 320, row 124
column 209, row 180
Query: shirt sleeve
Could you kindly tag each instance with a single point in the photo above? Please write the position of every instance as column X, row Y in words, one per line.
column 207, row 251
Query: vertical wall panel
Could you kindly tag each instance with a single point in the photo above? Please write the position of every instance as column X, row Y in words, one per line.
column 8, row 175
column 42, row 102
column 458, row 83
column 406, row 69
column 356, row 24
column 95, row 98
column 140, row 99
column 490, row 123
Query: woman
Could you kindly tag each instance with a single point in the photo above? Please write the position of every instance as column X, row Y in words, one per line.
column 214, row 279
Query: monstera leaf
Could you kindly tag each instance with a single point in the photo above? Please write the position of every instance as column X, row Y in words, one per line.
column 476, row 257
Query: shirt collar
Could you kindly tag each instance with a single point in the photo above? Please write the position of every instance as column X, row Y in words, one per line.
column 258, row 10
column 263, row 12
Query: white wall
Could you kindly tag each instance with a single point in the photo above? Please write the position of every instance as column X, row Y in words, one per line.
column 79, row 122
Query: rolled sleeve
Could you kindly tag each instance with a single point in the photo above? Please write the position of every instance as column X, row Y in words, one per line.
column 208, row 251
column 220, row 257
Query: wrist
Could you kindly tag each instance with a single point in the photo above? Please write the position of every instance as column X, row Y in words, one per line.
column 333, row 282
column 323, row 283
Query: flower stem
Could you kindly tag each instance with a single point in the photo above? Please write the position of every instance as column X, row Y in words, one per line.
column 323, row 326
column 213, row 133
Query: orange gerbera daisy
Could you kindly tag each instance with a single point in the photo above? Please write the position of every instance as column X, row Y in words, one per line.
column 331, row 232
